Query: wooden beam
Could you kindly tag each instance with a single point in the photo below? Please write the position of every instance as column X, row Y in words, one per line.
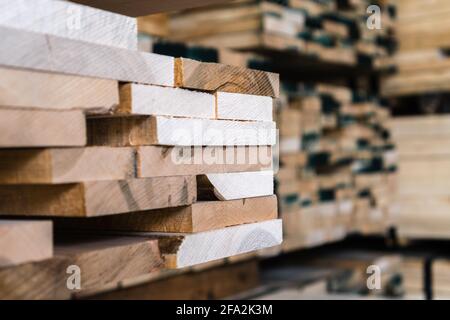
column 198, row 217
column 66, row 165
column 49, row 53
column 155, row 161
column 215, row 283
column 37, row 128
column 193, row 74
column 69, row 20
column 101, row 261
column 184, row 250
column 25, row 241
column 159, row 130
column 230, row 186
column 236, row 106
column 136, row 8
column 43, row 90
column 155, row 100
column 97, row 198
column 109, row 260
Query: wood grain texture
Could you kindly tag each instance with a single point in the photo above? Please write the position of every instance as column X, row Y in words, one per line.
column 198, row 217
column 69, row 20
column 184, row 250
column 109, row 260
column 102, row 261
column 231, row 186
column 160, row 130
column 36, row 280
column 155, row 161
column 97, row 198
column 219, row 77
column 30, row 89
column 25, row 241
column 155, row 100
column 58, row 165
column 215, row 283
column 38, row 128
column 237, row 106
column 136, row 8
column 56, row 54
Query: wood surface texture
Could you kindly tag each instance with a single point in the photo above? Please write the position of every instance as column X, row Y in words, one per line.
column 224, row 78
column 183, row 250
column 25, row 241
column 198, row 217
column 69, row 20
column 97, row 198
column 52, row 91
column 39, row 128
column 49, row 53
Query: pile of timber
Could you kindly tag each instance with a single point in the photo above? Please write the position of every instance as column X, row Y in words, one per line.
column 330, row 31
column 423, row 61
column 337, row 165
column 423, row 184
column 116, row 163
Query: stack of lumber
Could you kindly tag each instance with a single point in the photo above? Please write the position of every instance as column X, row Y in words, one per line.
column 319, row 29
column 337, row 165
column 140, row 161
column 423, row 184
column 422, row 61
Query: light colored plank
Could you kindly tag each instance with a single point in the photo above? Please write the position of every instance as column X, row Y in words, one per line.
column 136, row 8
column 156, row 161
column 155, row 100
column 69, row 20
column 160, row 130
column 184, row 250
column 56, row 54
column 198, row 217
column 30, row 89
column 109, row 260
column 66, row 165
column 236, row 106
column 193, row 74
column 37, row 128
column 241, row 185
column 25, row 241
column 97, row 198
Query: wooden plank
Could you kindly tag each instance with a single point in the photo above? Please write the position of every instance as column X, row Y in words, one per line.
column 155, row 161
column 155, row 100
column 36, row 280
column 160, row 130
column 184, row 250
column 69, row 20
column 136, row 8
column 97, row 198
column 237, row 106
column 37, row 128
column 215, row 283
column 109, row 260
column 102, row 261
column 29, row 89
column 25, row 241
column 56, row 54
column 230, row 186
column 48, row 166
column 198, row 217
column 218, row 77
